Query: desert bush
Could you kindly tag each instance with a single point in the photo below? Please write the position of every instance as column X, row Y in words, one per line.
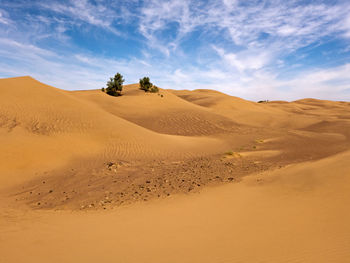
column 103, row 89
column 147, row 85
column 115, row 85
column 154, row 89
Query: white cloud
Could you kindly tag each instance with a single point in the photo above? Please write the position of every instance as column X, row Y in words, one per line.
column 240, row 46
column 286, row 30
column 96, row 15
column 243, row 61
column 346, row 26
column 87, row 72
column 3, row 18
column 158, row 16
column 283, row 21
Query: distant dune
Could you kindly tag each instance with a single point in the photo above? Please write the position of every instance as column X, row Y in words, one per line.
column 179, row 176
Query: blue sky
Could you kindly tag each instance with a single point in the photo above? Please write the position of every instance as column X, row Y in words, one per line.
column 254, row 49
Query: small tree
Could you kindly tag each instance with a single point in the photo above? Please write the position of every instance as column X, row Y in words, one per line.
column 147, row 86
column 115, row 85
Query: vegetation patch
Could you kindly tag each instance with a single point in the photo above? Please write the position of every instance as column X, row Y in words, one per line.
column 147, row 85
column 114, row 85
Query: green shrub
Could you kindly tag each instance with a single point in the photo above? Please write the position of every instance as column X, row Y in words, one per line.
column 115, row 85
column 103, row 89
column 154, row 89
column 147, row 86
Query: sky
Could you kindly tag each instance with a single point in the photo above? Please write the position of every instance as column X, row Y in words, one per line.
column 254, row 49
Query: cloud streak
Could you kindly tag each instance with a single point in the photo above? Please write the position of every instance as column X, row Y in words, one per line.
column 254, row 49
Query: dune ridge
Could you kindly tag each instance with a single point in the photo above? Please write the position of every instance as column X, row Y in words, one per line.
column 151, row 175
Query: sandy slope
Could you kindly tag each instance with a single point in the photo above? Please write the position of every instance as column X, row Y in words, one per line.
column 296, row 214
column 163, row 113
column 243, row 111
column 44, row 127
column 130, row 177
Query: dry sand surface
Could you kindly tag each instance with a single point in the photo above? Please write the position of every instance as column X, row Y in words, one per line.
column 179, row 176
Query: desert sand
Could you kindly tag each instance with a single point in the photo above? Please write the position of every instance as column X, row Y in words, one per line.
column 179, row 176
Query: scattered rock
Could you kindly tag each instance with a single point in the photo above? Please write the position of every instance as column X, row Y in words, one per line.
column 110, row 164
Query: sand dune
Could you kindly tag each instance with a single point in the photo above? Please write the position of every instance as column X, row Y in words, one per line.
column 179, row 176
column 296, row 214
column 44, row 127
column 245, row 112
column 162, row 113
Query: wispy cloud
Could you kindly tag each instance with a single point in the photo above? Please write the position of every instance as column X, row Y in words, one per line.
column 244, row 22
column 257, row 49
column 82, row 10
column 3, row 17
